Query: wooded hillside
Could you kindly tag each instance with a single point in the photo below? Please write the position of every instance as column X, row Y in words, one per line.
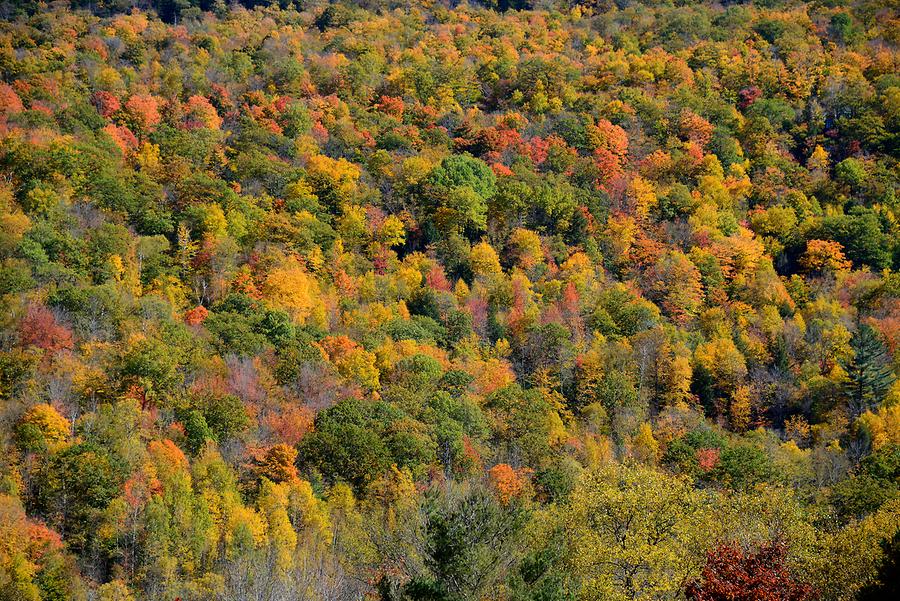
column 436, row 301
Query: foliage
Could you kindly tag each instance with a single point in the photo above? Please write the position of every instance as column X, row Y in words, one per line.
column 633, row 533
column 730, row 573
column 447, row 300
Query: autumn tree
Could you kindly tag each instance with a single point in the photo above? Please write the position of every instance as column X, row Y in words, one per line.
column 507, row 482
column 278, row 463
column 635, row 532
column 824, row 256
column 42, row 425
column 888, row 573
column 733, row 573
column 40, row 328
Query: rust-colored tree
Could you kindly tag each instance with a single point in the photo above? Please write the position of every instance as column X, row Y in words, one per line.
column 507, row 482
column 733, row 574
column 278, row 463
column 39, row 328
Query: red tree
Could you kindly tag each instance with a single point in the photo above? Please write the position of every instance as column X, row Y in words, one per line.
column 731, row 574
column 39, row 328
column 196, row 316
column 107, row 104
column 748, row 96
column 10, row 103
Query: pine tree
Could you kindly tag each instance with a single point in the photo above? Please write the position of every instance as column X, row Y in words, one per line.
column 869, row 374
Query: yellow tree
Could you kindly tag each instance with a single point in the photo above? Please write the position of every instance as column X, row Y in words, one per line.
column 334, row 181
column 526, row 247
column 818, row 162
column 635, row 533
column 719, row 369
column 641, row 198
column 278, row 463
column 291, row 287
column 849, row 558
column 115, row 590
column 882, row 427
column 644, row 446
column 739, row 409
column 484, row 260
column 352, row 361
column 824, row 256
column 273, row 506
column 46, row 422
column 17, row 570
column 676, row 374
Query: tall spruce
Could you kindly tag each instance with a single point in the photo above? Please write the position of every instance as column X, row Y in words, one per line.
column 869, row 373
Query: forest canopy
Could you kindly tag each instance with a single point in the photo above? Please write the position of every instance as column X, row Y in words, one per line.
column 449, row 301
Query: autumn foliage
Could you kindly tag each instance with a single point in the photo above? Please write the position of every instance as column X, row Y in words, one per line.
column 449, row 301
column 732, row 574
column 39, row 328
column 508, row 483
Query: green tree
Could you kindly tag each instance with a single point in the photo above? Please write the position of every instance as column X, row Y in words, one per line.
column 74, row 487
column 346, row 445
column 861, row 235
column 869, row 375
column 459, row 189
column 470, row 543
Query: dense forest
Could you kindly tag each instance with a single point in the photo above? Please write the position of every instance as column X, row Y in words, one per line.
column 440, row 301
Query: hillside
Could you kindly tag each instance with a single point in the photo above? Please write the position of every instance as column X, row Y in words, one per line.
column 439, row 301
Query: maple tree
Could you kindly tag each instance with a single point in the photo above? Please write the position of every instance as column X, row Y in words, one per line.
column 39, row 328
column 824, row 256
column 734, row 574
